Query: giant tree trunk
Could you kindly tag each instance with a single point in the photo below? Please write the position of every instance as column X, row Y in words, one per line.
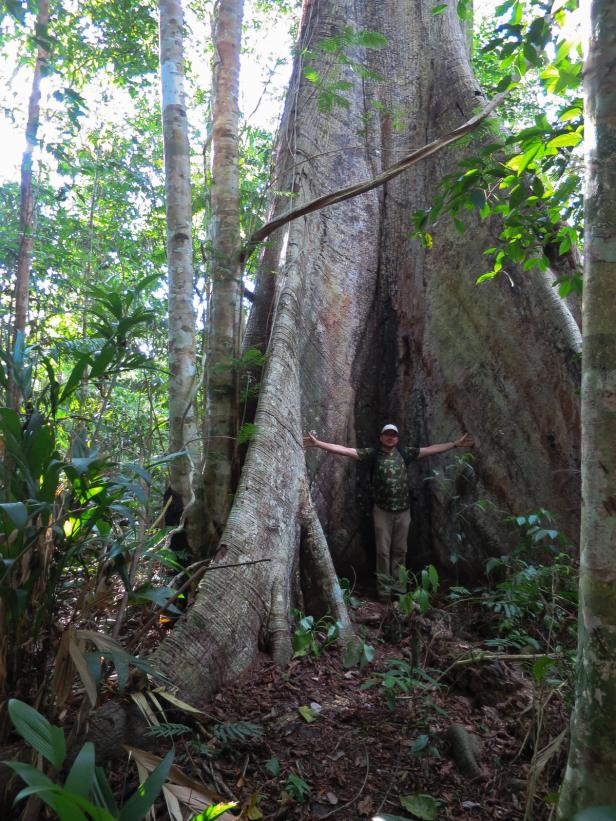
column 26, row 197
column 368, row 327
column 182, row 352
column 590, row 778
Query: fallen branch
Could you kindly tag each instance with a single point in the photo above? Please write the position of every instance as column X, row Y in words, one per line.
column 367, row 185
column 485, row 656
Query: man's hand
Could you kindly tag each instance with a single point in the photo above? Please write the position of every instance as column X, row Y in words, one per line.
column 465, row 441
column 311, row 441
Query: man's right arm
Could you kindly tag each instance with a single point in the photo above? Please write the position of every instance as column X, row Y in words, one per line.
column 311, row 441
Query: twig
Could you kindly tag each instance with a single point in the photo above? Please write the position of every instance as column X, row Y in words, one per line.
column 367, row 185
column 391, row 783
column 354, row 799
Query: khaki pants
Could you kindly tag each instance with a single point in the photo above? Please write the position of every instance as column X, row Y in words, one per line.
column 391, row 532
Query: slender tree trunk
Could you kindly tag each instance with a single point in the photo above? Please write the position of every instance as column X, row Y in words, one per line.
column 26, row 202
column 182, row 351
column 221, row 427
column 368, row 327
column 590, row 777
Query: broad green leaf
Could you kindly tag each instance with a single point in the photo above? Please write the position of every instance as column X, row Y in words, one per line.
column 439, row 9
column 103, row 360
column 306, row 713
column 570, row 114
column 10, row 422
column 38, row 732
column 421, row 805
column 82, row 773
column 17, row 512
column 571, row 139
column 75, row 377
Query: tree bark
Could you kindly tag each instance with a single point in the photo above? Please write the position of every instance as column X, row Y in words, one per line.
column 182, row 349
column 221, row 425
column 369, row 327
column 590, row 777
column 26, row 198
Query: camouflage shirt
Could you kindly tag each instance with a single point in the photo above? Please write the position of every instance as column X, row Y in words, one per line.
column 390, row 484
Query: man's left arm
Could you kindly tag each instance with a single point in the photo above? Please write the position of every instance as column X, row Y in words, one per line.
column 465, row 441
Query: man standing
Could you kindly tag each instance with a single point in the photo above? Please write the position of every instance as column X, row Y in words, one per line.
column 391, row 514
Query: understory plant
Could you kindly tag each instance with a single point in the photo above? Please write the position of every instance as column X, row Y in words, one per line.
column 85, row 792
column 74, row 545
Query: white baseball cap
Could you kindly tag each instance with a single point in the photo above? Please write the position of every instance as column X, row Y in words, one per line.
column 387, row 428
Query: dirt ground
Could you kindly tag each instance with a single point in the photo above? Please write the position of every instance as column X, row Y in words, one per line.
column 313, row 742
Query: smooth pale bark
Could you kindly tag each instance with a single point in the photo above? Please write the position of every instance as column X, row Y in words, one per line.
column 182, row 352
column 26, row 198
column 363, row 326
column 221, row 423
column 590, row 777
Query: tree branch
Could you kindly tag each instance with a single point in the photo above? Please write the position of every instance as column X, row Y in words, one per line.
column 367, row 185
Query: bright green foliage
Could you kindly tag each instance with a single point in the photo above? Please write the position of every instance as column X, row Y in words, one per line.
column 529, row 181
column 425, row 585
column 69, row 516
column 85, row 794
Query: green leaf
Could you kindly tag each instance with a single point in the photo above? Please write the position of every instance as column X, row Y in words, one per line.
column 541, row 668
column 306, row 713
column 571, row 138
column 421, row 805
column 10, row 422
column 75, row 377
column 213, row 812
column 38, row 732
column 439, row 9
column 478, row 198
column 570, row 114
column 420, row 744
column 102, row 361
column 17, row 512
column 146, row 794
column 273, row 765
column 82, row 773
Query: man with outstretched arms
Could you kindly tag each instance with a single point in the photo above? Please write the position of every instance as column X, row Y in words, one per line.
column 391, row 514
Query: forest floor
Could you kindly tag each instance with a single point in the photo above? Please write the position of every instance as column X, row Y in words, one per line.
column 456, row 741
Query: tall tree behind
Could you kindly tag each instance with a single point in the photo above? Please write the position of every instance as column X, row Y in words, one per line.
column 221, row 425
column 182, row 355
column 590, row 778
column 367, row 326
column 26, row 204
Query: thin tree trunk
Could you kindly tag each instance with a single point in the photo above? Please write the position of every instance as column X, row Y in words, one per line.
column 590, row 777
column 182, row 349
column 26, row 202
column 221, row 427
